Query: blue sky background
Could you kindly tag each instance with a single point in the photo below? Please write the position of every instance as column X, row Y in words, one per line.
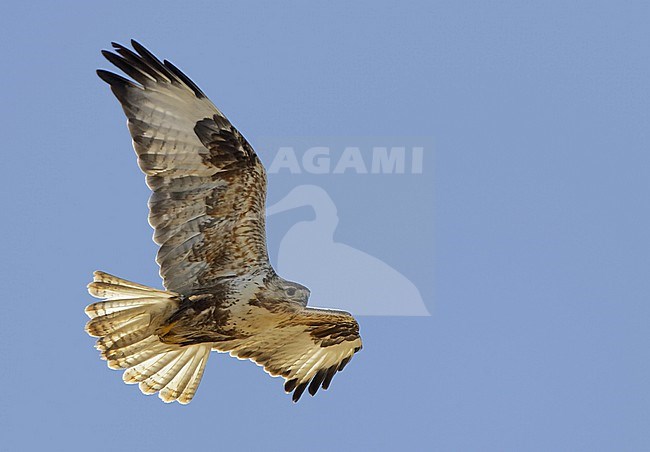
column 535, row 209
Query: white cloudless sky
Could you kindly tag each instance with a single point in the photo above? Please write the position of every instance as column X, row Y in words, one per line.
column 534, row 208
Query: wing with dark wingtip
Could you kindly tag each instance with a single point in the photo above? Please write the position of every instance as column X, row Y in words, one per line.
column 307, row 349
column 209, row 186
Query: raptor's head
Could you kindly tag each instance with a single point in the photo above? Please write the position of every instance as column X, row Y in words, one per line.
column 281, row 289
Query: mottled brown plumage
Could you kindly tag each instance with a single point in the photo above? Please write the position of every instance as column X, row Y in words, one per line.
column 207, row 210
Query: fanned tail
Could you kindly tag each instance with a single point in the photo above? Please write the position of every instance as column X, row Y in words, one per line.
column 127, row 322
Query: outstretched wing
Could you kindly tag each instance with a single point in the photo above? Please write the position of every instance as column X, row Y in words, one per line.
column 306, row 349
column 209, row 186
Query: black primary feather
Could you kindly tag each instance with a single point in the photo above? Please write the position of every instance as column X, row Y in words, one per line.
column 316, row 382
column 154, row 62
column 328, row 378
column 126, row 67
column 136, row 61
column 185, row 79
column 298, row 392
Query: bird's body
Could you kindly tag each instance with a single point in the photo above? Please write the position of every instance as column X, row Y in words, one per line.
column 207, row 210
column 226, row 313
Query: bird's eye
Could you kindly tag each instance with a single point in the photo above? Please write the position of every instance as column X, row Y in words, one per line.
column 291, row 291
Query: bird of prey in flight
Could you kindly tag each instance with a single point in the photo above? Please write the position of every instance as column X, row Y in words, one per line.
column 221, row 293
